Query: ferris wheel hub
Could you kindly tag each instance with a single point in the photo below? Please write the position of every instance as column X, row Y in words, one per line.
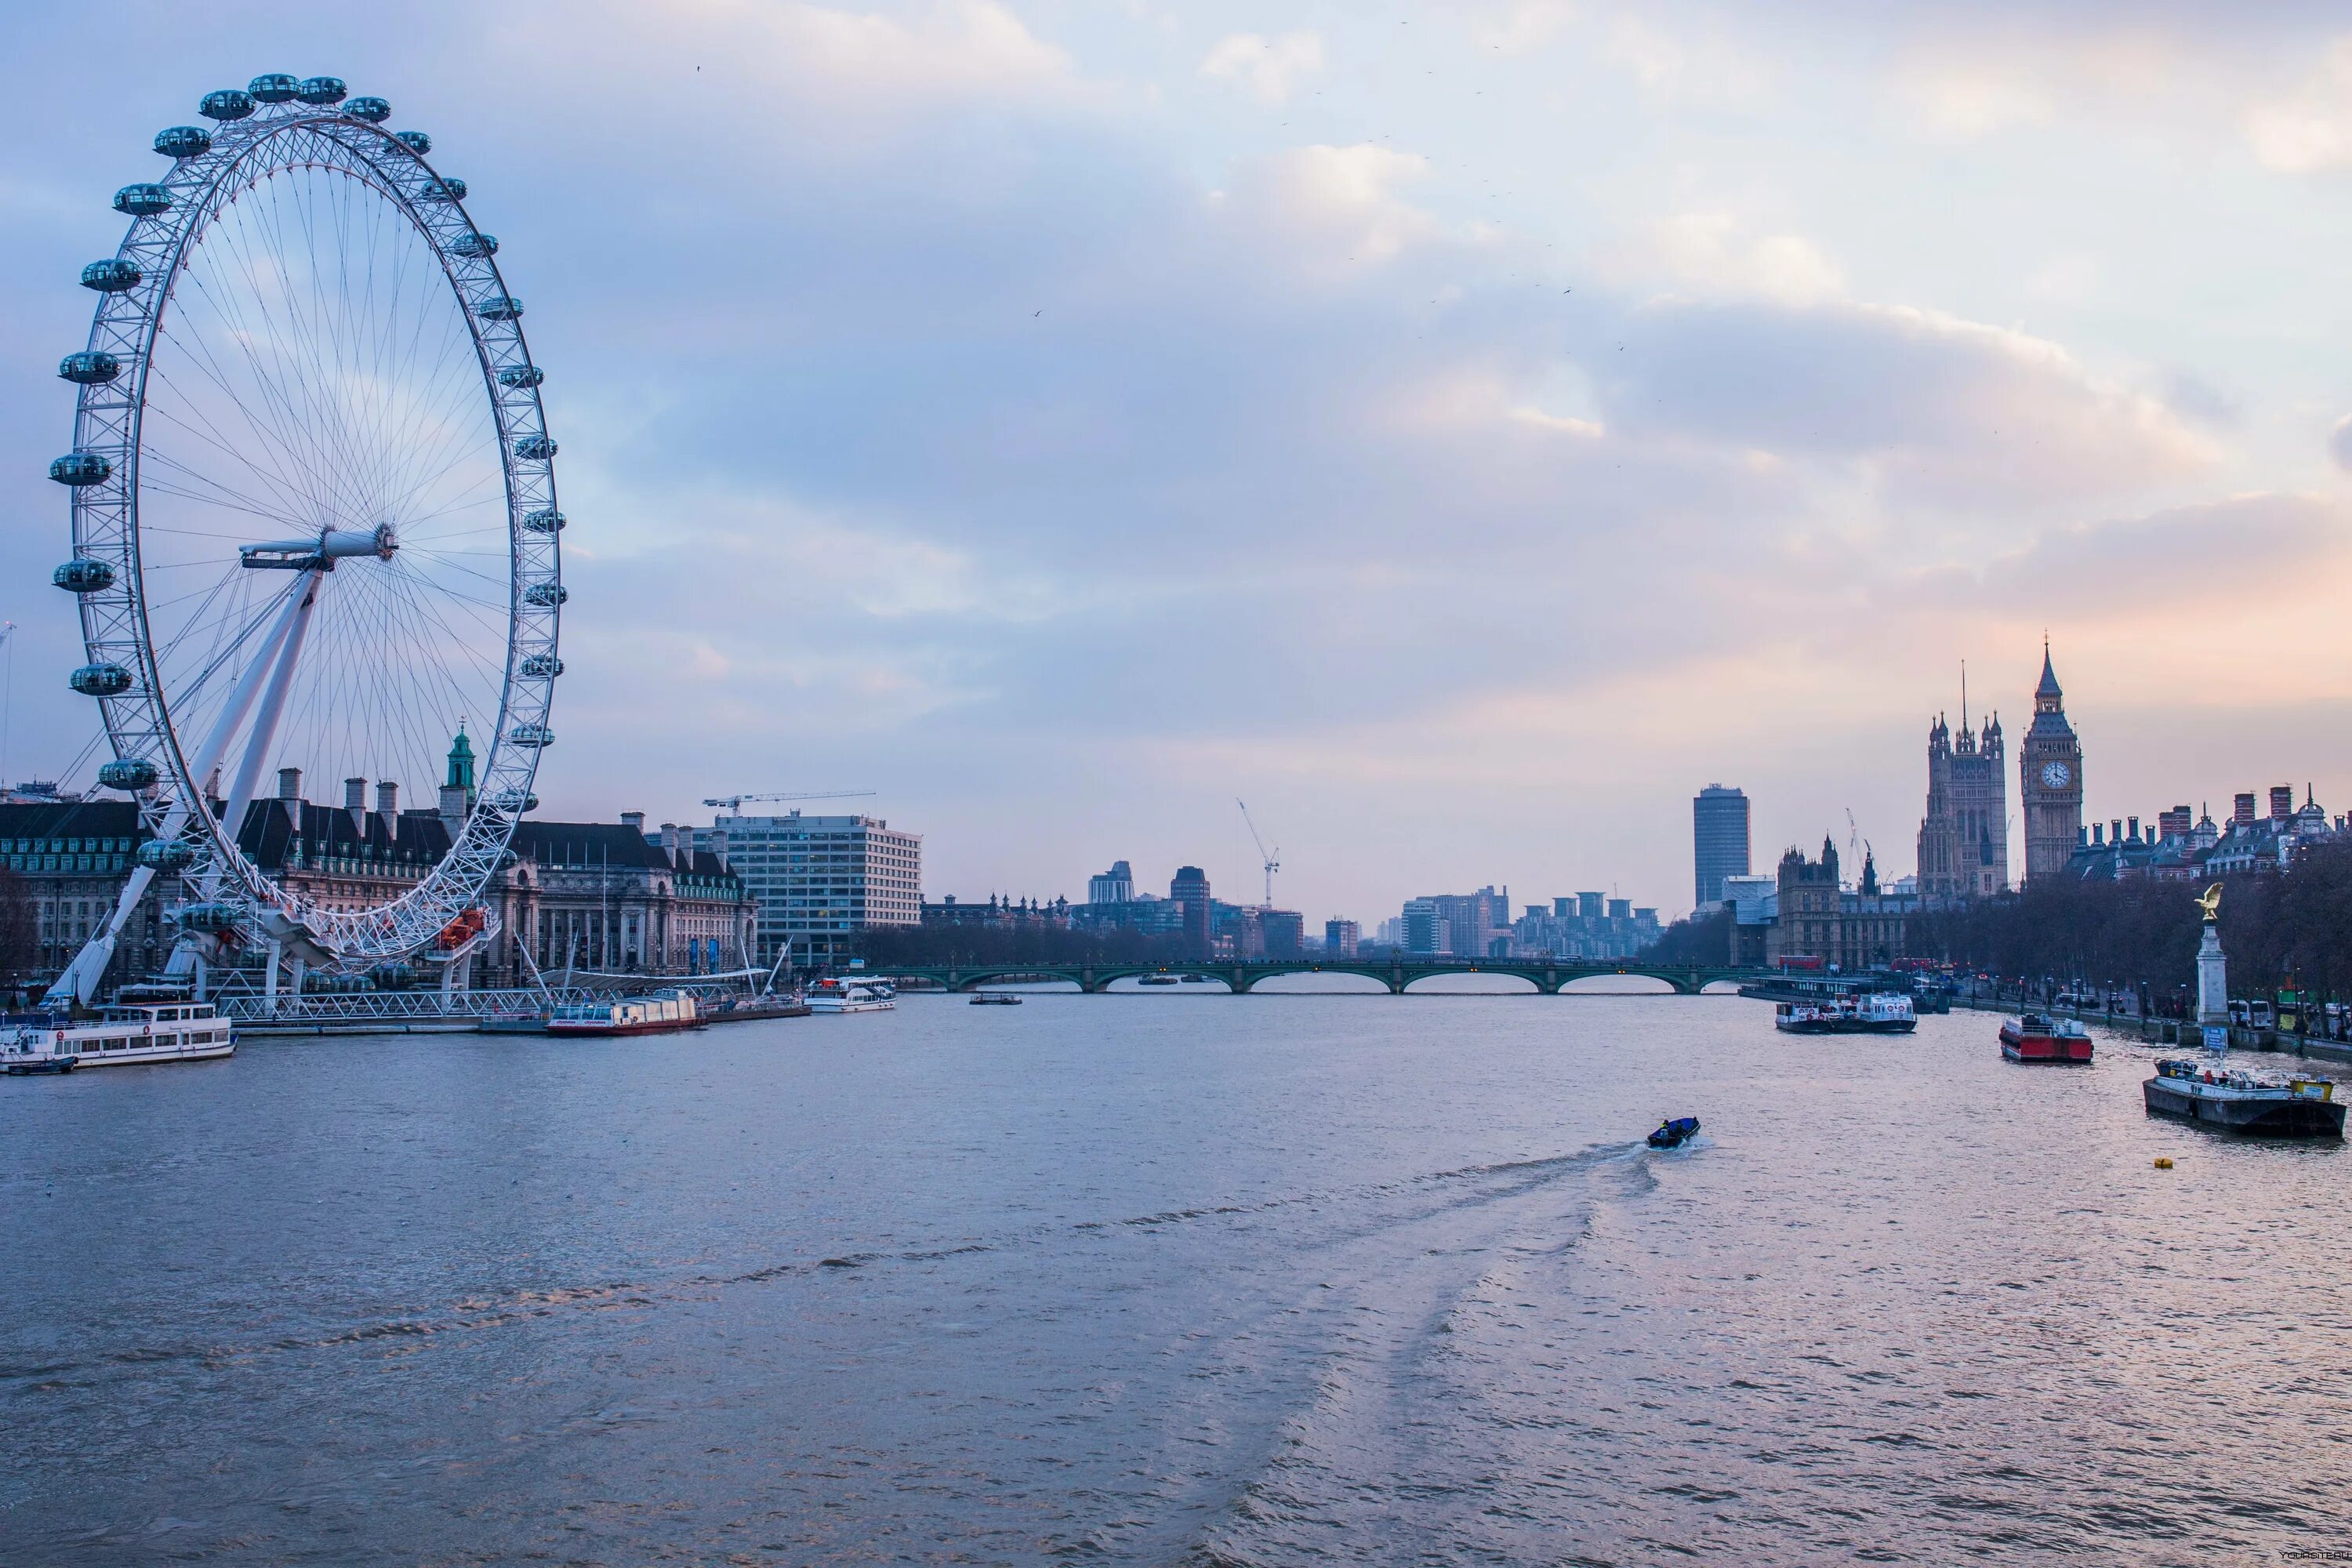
column 332, row 544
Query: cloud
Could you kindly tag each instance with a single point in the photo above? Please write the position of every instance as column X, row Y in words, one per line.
column 1522, row 25
column 1702, row 68
column 1263, row 67
column 1711, row 254
column 2310, row 129
column 1937, row 409
column 1332, row 209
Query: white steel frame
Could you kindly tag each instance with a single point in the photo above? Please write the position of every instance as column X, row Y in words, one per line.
column 115, row 621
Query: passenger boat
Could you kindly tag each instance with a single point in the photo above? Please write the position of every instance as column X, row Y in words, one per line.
column 2038, row 1037
column 850, row 995
column 995, row 999
column 2263, row 1104
column 1673, row 1133
column 1873, row 1012
column 664, row 1012
column 121, row 1035
column 1156, row 980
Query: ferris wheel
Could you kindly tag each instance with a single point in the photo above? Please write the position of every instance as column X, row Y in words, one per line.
column 314, row 515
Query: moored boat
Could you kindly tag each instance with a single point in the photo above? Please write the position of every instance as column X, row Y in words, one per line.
column 2038, row 1037
column 664, row 1012
column 2265, row 1105
column 848, row 994
column 995, row 999
column 1872, row 1013
column 119, row 1037
column 1156, row 980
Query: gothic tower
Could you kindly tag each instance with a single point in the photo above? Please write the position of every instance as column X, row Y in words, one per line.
column 1964, row 836
column 2050, row 777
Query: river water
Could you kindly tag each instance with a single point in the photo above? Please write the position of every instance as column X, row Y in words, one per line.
column 1181, row 1279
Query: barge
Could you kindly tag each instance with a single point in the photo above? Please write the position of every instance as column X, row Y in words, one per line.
column 2265, row 1105
column 2038, row 1037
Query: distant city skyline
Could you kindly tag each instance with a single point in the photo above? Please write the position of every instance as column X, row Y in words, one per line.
column 1133, row 408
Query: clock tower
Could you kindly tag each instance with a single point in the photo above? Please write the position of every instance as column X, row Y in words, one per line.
column 2050, row 765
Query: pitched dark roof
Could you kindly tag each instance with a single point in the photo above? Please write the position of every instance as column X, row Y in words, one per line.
column 270, row 825
column 71, row 820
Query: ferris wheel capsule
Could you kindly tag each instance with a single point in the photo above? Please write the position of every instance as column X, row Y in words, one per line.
column 142, row 200
column 228, row 103
column 166, row 855
column 374, row 111
column 90, row 367
column 183, row 142
column 128, row 773
column 278, row 86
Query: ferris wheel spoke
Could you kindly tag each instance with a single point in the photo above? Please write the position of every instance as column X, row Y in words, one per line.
column 251, row 504
column 424, row 599
column 266, row 391
column 275, row 449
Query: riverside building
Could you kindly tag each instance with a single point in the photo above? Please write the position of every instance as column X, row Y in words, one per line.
column 819, row 880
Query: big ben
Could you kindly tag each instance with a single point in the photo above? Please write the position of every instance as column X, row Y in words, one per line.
column 2050, row 764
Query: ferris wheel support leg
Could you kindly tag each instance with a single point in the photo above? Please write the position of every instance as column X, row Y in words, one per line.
column 78, row 983
column 273, row 706
column 275, row 662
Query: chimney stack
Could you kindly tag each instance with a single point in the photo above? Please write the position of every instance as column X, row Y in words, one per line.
column 2134, row 827
column 2241, row 813
column 387, row 797
column 289, row 783
column 2281, row 802
column 636, row 819
column 355, row 795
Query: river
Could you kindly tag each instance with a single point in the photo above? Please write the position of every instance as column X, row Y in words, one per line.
column 1173, row 1279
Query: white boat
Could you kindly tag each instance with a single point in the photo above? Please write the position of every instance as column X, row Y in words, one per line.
column 142, row 1032
column 848, row 994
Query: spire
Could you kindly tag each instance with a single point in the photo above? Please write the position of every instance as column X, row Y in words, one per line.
column 1964, row 695
column 461, row 762
column 2049, row 687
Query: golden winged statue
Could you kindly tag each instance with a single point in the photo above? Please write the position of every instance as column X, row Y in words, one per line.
column 2209, row 901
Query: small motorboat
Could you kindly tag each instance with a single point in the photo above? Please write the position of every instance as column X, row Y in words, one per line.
column 1675, row 1133
column 1157, row 980
column 995, row 999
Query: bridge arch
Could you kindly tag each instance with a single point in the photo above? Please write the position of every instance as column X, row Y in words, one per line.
column 1626, row 982
column 1497, row 980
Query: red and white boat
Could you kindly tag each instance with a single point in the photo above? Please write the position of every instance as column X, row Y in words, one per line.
column 2038, row 1037
column 662, row 1013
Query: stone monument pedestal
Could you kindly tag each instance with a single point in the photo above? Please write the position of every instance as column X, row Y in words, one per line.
column 2212, row 979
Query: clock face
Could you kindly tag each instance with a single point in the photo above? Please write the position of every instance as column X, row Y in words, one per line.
column 2055, row 775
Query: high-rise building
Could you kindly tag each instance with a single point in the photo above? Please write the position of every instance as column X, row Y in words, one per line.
column 2050, row 783
column 1473, row 922
column 1284, row 932
column 1964, row 838
column 1341, row 938
column 819, row 880
column 1719, row 840
column 1423, row 930
column 1115, row 886
column 1190, row 889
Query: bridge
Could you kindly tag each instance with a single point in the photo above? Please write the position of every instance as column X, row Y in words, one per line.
column 1398, row 973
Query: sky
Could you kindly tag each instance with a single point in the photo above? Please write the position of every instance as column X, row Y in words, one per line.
column 1460, row 430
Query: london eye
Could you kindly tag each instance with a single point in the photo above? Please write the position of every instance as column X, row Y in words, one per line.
column 314, row 516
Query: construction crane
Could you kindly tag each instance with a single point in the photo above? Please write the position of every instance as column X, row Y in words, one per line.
column 1857, row 847
column 1273, row 864
column 735, row 801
